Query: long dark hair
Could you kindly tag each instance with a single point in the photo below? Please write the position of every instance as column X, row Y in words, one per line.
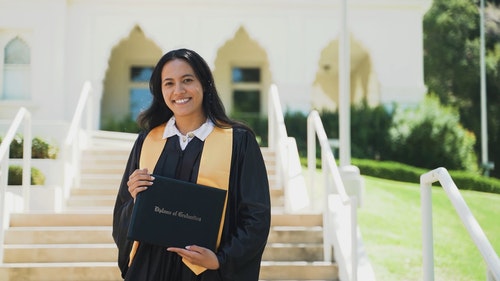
column 159, row 113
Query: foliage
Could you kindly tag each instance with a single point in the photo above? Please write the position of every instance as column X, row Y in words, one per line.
column 451, row 62
column 406, row 173
column 40, row 149
column 370, row 131
column 16, row 176
column 452, row 50
column 431, row 136
column 257, row 123
column 124, row 125
column 296, row 126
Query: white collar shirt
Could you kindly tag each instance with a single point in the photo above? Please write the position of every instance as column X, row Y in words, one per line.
column 201, row 133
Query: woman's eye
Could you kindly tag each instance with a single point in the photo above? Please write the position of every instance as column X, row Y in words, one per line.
column 188, row 80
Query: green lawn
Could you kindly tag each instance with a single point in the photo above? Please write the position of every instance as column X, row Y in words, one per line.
column 390, row 222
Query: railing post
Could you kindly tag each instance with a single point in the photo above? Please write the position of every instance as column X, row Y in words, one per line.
column 311, row 148
column 271, row 130
column 354, row 234
column 27, row 141
column 22, row 115
column 72, row 143
column 427, row 231
column 4, row 172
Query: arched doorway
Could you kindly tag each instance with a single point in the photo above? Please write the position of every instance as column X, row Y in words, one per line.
column 242, row 76
column 364, row 84
column 126, row 85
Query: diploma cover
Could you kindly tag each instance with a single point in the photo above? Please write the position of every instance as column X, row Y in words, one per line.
column 215, row 165
column 175, row 213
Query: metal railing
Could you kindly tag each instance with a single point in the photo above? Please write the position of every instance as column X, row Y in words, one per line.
column 473, row 228
column 22, row 115
column 76, row 139
column 340, row 214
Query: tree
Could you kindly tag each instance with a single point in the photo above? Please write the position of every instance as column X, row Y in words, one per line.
column 451, row 62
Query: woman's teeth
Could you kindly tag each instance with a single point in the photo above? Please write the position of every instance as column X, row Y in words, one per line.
column 182, row 101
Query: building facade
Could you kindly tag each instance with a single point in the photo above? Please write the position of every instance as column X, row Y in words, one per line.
column 49, row 48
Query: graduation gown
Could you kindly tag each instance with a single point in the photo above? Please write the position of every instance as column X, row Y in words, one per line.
column 246, row 224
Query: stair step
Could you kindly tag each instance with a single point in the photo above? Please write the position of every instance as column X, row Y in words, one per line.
column 77, row 271
column 109, row 190
column 306, row 252
column 88, row 218
column 102, row 235
column 297, row 220
column 50, row 253
column 108, row 271
column 300, row 270
column 59, row 235
column 91, row 201
column 298, row 234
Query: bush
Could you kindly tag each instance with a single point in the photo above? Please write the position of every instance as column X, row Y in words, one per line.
column 125, row 125
column 431, row 136
column 40, row 149
column 16, row 176
column 257, row 123
column 296, row 126
column 401, row 172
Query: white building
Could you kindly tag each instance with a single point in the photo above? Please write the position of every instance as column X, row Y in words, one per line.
column 48, row 48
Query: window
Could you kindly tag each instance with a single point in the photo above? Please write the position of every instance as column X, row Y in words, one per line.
column 246, row 83
column 17, row 71
column 140, row 96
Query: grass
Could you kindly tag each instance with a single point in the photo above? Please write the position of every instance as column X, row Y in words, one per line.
column 390, row 222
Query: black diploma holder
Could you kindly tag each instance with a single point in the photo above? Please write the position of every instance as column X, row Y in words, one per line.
column 175, row 213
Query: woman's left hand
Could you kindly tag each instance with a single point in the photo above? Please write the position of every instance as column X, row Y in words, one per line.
column 198, row 255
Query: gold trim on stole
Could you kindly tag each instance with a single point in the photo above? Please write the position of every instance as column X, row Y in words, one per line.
column 215, row 166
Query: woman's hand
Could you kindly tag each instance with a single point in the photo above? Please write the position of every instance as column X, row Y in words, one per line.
column 139, row 181
column 198, row 255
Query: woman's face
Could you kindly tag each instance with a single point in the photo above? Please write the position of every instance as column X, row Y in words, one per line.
column 182, row 91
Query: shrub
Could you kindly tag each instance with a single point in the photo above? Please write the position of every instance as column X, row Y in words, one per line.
column 257, row 123
column 40, row 149
column 406, row 173
column 16, row 176
column 125, row 125
column 431, row 135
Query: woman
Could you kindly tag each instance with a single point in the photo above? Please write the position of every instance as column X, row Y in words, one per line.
column 187, row 111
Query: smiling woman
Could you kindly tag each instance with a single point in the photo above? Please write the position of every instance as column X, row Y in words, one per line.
column 188, row 136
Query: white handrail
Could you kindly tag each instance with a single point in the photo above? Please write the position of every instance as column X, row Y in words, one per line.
column 276, row 130
column 72, row 143
column 345, row 251
column 22, row 115
column 474, row 229
column 77, row 116
column 289, row 169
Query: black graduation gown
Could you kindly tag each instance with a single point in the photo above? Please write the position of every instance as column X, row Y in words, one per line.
column 246, row 225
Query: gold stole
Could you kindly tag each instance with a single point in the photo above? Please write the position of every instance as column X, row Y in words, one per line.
column 215, row 165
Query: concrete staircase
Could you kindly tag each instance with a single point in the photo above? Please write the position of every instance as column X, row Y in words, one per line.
column 76, row 244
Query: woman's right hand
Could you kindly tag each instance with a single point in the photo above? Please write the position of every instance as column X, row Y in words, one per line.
column 139, row 181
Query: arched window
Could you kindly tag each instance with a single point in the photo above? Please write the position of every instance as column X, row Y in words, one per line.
column 17, row 71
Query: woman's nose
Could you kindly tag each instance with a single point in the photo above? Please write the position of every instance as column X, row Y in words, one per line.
column 179, row 88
